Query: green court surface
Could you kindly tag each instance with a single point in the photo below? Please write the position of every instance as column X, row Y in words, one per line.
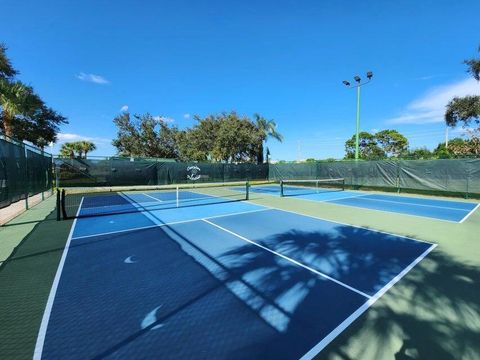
column 431, row 313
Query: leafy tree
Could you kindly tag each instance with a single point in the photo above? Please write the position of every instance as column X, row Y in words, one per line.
column 392, row 142
column 310, row 160
column 473, row 67
column 23, row 113
column 198, row 142
column 267, row 129
column 464, row 111
column 145, row 136
column 237, row 140
column 368, row 147
column 39, row 127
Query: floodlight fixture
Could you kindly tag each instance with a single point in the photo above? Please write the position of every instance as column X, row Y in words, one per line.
column 346, row 83
column 357, row 78
column 369, row 75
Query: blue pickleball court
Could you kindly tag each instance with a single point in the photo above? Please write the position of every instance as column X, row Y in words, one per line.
column 230, row 280
column 439, row 209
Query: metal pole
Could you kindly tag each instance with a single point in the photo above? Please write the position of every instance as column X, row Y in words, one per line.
column 358, row 124
column 27, row 180
column 446, row 138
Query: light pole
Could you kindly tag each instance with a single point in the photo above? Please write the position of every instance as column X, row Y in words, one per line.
column 358, row 85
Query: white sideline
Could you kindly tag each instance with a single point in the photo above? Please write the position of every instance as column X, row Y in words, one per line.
column 335, row 332
column 37, row 353
column 470, row 213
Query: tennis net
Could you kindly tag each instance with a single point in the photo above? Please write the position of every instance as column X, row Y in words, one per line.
column 305, row 187
column 87, row 202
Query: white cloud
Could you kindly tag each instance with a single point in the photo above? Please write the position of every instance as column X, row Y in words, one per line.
column 124, row 108
column 97, row 79
column 186, row 116
column 430, row 108
column 67, row 137
column 163, row 119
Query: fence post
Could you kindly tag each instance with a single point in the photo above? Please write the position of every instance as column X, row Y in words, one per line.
column 27, row 180
column 398, row 176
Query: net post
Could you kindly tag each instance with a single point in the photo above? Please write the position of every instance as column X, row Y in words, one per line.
column 343, row 184
column 62, row 202
column 177, row 193
column 58, row 204
column 281, row 188
column 247, row 190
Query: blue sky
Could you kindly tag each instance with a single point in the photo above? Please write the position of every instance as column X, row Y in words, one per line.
column 283, row 59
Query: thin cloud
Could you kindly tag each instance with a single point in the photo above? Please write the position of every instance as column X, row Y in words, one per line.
column 430, row 108
column 68, row 137
column 124, row 108
column 97, row 79
column 186, row 116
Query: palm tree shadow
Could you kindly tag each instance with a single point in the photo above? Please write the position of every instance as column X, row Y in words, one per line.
column 431, row 313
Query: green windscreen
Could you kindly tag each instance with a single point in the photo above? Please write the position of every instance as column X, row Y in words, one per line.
column 24, row 171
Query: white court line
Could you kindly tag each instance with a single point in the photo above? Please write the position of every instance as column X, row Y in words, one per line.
column 154, row 198
column 417, row 204
column 345, row 197
column 470, row 213
column 37, row 354
column 345, row 224
column 349, row 320
column 289, row 259
column 366, row 208
column 171, row 223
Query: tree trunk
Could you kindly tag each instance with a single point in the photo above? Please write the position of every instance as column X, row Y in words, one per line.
column 260, row 154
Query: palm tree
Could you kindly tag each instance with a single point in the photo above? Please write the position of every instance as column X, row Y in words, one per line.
column 16, row 99
column 267, row 128
column 6, row 68
column 67, row 150
column 86, row 147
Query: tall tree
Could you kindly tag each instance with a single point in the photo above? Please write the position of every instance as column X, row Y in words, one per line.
column 267, row 129
column 145, row 136
column 237, row 139
column 392, row 142
column 23, row 114
column 466, row 111
column 39, row 126
column 368, row 147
